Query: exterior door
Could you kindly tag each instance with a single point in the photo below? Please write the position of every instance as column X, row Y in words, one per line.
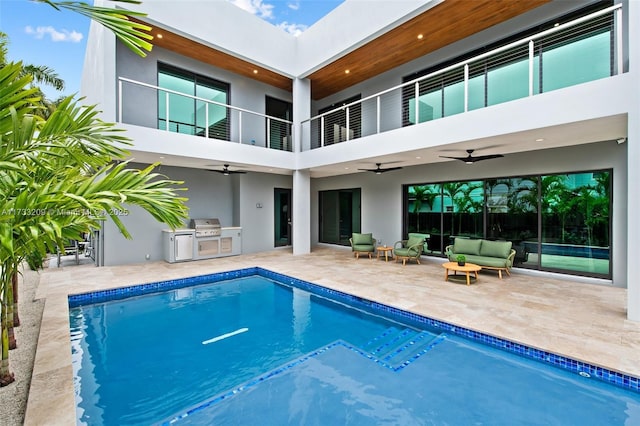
column 282, row 217
column 339, row 215
column 279, row 133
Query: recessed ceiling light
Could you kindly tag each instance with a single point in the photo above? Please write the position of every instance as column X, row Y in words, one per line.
column 420, row 36
column 347, row 71
column 255, row 71
column 539, row 139
column 417, row 158
column 161, row 157
column 159, row 36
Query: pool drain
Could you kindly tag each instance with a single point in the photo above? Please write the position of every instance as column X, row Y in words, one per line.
column 584, row 374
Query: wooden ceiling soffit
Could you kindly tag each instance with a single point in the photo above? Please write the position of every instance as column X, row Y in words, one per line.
column 192, row 49
column 446, row 23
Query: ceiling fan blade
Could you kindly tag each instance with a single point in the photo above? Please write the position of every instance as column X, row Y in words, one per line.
column 389, row 169
column 225, row 171
column 378, row 170
column 381, row 170
column 454, row 158
column 470, row 159
column 486, row 157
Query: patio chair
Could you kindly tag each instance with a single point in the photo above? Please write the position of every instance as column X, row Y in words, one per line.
column 362, row 244
column 71, row 247
column 408, row 249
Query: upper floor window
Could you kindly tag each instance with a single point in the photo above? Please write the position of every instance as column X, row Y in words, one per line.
column 580, row 53
column 198, row 110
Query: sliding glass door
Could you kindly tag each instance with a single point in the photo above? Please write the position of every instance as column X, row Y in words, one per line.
column 559, row 222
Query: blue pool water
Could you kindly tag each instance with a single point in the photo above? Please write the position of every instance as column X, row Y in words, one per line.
column 251, row 351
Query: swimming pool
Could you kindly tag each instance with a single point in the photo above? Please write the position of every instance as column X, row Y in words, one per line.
column 316, row 361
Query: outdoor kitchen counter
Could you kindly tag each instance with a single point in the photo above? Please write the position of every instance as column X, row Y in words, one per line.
column 184, row 244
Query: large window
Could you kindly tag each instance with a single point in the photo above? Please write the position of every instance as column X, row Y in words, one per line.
column 185, row 114
column 559, row 222
column 581, row 53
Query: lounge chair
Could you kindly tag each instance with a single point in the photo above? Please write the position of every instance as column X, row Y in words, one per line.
column 362, row 244
column 408, row 249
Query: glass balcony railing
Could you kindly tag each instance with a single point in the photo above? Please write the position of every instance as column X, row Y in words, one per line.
column 579, row 51
column 177, row 112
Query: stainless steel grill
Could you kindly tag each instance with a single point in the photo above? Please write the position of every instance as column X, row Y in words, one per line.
column 206, row 227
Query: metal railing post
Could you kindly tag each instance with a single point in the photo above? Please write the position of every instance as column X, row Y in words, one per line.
column 322, row 131
column 531, row 62
column 206, row 120
column 239, row 128
column 119, row 101
column 268, row 132
column 166, row 112
column 466, row 87
column 378, row 114
column 417, row 90
column 617, row 22
column 346, row 138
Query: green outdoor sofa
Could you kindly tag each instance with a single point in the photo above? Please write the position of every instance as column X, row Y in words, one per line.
column 496, row 255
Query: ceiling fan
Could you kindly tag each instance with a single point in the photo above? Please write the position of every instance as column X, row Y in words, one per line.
column 470, row 159
column 225, row 171
column 378, row 170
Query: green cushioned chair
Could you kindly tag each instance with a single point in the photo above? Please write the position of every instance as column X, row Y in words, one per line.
column 408, row 249
column 362, row 244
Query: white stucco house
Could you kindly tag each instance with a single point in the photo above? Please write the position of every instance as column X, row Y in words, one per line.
column 366, row 121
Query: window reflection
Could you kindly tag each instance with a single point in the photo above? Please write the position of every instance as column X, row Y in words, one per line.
column 557, row 222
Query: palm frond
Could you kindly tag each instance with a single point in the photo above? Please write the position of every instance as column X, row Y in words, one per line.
column 44, row 75
column 133, row 34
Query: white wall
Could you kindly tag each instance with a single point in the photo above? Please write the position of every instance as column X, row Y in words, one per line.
column 258, row 232
column 210, row 195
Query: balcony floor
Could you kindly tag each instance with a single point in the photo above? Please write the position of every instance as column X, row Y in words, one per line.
column 583, row 321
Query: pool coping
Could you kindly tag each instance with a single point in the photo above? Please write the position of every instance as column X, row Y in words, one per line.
column 582, row 368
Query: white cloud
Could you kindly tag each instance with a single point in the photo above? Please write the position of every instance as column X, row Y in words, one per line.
column 295, row 29
column 56, row 36
column 294, row 5
column 256, row 7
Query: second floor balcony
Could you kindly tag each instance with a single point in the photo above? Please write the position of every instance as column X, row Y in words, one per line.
column 572, row 53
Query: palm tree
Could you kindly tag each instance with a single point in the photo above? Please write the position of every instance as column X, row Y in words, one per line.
column 422, row 194
column 64, row 162
column 58, row 178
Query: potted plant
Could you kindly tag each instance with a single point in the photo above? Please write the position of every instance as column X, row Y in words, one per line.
column 461, row 259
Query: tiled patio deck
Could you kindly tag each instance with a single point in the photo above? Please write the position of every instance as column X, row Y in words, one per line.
column 582, row 321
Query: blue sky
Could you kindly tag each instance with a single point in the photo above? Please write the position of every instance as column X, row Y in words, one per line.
column 40, row 35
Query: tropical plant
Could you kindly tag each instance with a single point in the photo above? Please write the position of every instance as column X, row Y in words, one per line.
column 135, row 35
column 60, row 178
column 422, row 195
column 65, row 166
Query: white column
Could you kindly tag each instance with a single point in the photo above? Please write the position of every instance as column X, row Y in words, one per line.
column 633, row 171
column 301, row 194
column 301, row 215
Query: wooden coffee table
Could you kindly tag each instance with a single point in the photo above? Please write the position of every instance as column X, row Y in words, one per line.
column 467, row 268
column 387, row 251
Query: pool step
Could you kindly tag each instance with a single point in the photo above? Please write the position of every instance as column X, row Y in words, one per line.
column 397, row 347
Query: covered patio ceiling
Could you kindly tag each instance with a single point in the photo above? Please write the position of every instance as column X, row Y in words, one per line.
column 439, row 26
